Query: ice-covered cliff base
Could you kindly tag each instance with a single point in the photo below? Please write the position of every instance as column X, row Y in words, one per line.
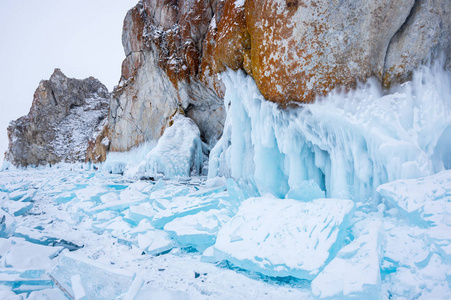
column 178, row 153
column 347, row 143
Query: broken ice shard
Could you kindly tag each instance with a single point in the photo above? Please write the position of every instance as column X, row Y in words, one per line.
column 7, row 224
column 355, row 271
column 98, row 281
column 155, row 242
column 284, row 237
column 38, row 237
column 21, row 281
column 17, row 208
column 307, row 190
column 198, row 230
column 424, row 201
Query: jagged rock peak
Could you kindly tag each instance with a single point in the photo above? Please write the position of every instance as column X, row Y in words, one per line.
column 64, row 115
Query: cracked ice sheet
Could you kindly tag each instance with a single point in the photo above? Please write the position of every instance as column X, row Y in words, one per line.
column 172, row 272
column 199, row 230
column 425, row 201
column 355, row 271
column 415, row 265
column 284, row 237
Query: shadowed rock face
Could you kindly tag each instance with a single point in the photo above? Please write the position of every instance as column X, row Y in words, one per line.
column 63, row 117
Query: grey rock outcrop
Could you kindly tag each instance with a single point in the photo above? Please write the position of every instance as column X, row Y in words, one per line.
column 65, row 114
column 425, row 35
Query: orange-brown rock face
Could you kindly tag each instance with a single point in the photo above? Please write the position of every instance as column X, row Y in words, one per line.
column 304, row 48
column 301, row 49
column 227, row 44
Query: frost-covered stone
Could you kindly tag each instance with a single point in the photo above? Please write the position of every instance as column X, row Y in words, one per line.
column 179, row 152
column 284, row 237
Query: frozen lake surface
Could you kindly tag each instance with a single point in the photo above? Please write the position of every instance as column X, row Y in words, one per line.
column 73, row 232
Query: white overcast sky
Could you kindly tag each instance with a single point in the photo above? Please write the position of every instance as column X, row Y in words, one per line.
column 81, row 37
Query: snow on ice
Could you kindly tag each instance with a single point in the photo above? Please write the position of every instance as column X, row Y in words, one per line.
column 345, row 198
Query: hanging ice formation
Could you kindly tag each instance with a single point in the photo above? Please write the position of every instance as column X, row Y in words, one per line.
column 346, row 143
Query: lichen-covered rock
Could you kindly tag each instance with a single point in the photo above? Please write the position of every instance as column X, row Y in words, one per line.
column 226, row 45
column 301, row 49
column 63, row 117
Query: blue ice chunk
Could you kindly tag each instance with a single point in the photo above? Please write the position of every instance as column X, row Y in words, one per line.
column 184, row 206
column 103, row 216
column 99, row 281
column 18, row 194
column 140, row 212
column 159, row 185
column 117, row 187
column 155, row 242
column 208, row 255
column 40, row 238
column 284, row 237
column 17, row 208
column 307, row 190
column 65, row 197
column 137, row 284
column 198, row 230
column 424, row 201
column 169, row 193
column 207, row 191
column 239, row 191
column 355, row 271
column 21, row 254
column 25, row 281
column 7, row 224
column 235, row 192
column 117, row 226
column 127, row 198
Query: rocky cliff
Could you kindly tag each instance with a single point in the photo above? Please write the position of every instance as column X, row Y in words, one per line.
column 294, row 50
column 65, row 114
